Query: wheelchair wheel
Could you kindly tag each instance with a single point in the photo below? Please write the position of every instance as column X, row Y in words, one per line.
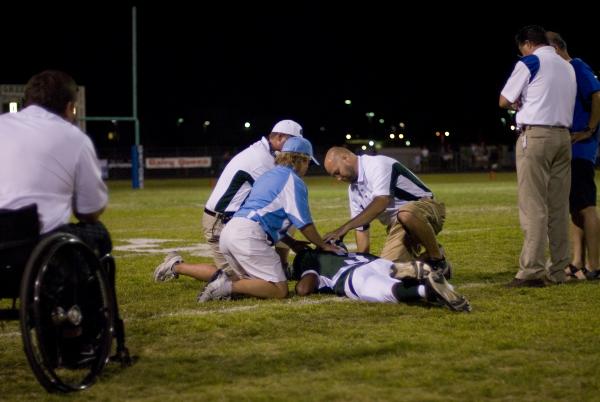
column 66, row 314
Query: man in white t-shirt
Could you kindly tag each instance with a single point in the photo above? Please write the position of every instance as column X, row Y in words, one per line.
column 45, row 159
column 384, row 189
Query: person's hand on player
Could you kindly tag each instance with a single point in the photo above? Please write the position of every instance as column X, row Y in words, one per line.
column 335, row 235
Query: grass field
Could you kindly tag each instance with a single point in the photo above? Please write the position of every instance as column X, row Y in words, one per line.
column 517, row 344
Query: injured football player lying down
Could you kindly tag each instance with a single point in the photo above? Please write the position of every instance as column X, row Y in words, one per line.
column 362, row 276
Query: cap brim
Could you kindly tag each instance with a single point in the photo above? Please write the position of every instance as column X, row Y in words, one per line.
column 315, row 161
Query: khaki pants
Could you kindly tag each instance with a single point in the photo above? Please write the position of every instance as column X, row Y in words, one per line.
column 399, row 245
column 544, row 180
column 212, row 227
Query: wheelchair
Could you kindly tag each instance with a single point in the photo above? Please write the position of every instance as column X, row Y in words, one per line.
column 67, row 309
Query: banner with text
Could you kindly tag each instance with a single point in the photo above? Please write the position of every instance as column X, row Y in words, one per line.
column 179, row 163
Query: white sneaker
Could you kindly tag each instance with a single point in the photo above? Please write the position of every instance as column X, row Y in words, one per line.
column 164, row 271
column 218, row 288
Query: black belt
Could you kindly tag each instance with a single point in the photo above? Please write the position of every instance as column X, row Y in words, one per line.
column 224, row 218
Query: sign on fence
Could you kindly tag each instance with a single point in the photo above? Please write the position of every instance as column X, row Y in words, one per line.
column 178, row 163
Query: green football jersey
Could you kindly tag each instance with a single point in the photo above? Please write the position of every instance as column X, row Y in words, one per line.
column 327, row 264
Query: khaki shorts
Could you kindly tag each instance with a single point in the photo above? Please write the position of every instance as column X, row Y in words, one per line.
column 399, row 245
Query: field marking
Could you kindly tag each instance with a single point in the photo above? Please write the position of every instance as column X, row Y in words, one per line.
column 468, row 285
column 152, row 246
column 226, row 310
column 484, row 229
column 236, row 309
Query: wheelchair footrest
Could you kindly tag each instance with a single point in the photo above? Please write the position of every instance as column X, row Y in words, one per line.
column 122, row 356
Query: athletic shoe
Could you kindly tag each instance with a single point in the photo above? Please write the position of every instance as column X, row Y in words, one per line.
column 164, row 272
column 219, row 288
column 439, row 290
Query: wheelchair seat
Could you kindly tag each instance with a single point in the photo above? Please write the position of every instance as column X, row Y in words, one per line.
column 19, row 233
column 67, row 302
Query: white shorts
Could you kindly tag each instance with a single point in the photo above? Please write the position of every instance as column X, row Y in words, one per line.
column 245, row 247
column 372, row 282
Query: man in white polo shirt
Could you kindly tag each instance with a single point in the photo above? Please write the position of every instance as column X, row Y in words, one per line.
column 542, row 89
column 45, row 159
column 233, row 188
column 382, row 188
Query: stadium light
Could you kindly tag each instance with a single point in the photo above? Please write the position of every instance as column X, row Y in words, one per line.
column 381, row 121
column 512, row 127
column 437, row 133
column 348, row 136
column 370, row 114
column 364, row 147
column 348, row 102
column 247, row 124
column 322, row 129
column 180, row 121
column 392, row 136
column 407, row 143
column 401, row 124
column 400, row 136
column 371, row 143
column 447, row 133
column 206, row 123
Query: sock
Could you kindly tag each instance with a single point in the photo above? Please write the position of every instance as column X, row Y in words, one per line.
column 403, row 293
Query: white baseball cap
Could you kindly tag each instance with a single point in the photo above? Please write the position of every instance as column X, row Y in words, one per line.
column 289, row 127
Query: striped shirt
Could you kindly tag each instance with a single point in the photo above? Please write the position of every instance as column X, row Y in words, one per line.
column 381, row 175
column 332, row 269
column 239, row 175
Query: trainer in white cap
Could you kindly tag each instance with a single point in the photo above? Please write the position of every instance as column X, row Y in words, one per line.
column 299, row 145
column 289, row 127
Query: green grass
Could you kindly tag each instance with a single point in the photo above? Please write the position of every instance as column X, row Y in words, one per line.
column 517, row 344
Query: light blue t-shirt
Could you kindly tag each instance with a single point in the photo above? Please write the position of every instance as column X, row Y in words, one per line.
column 587, row 84
column 278, row 199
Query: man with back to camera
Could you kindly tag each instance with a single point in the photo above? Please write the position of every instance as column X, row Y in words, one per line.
column 585, row 225
column 542, row 90
column 45, row 159
column 231, row 191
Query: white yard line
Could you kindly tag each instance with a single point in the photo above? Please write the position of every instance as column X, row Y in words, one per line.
column 236, row 309
column 473, row 285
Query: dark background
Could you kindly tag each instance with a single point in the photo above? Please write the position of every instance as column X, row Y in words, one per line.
column 439, row 68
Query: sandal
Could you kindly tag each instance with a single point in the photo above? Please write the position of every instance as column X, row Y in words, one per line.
column 581, row 274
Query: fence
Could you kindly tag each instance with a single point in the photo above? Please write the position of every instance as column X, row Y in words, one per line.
column 117, row 163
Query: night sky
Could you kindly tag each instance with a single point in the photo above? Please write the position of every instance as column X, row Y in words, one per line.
column 229, row 64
